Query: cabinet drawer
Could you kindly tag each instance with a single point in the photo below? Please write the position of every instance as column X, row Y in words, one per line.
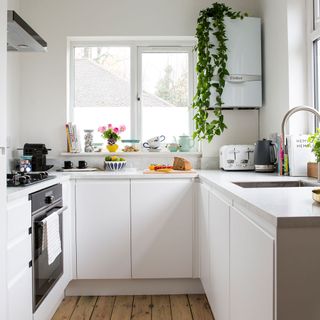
column 19, row 255
column 19, row 218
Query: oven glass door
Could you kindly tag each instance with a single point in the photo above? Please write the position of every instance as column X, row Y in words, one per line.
column 45, row 275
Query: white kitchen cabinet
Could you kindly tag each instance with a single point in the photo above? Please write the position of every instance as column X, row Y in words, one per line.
column 19, row 256
column 219, row 218
column 103, row 229
column 162, row 228
column 68, row 232
column 20, row 296
column 203, row 210
column 251, row 270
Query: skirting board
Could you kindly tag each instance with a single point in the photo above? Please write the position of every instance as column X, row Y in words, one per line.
column 133, row 287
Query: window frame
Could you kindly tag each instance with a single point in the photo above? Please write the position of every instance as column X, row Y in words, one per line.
column 137, row 47
column 313, row 34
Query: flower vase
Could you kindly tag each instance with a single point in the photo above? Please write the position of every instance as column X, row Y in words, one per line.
column 112, row 147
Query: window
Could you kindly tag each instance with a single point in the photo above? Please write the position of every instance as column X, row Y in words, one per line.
column 147, row 88
column 315, row 38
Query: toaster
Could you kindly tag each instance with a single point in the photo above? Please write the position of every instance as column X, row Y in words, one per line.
column 236, row 157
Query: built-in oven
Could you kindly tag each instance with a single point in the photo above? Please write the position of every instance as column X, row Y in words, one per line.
column 46, row 270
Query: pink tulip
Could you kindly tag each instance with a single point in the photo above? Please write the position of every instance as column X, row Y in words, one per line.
column 109, row 126
column 122, row 128
column 115, row 130
column 102, row 129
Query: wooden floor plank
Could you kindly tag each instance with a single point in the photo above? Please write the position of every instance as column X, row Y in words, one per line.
column 66, row 308
column 84, row 308
column 199, row 307
column 180, row 307
column 122, row 308
column 103, row 308
column 161, row 309
column 141, row 309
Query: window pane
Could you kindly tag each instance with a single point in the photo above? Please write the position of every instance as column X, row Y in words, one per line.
column 316, row 13
column 102, row 87
column 165, row 94
column 316, row 51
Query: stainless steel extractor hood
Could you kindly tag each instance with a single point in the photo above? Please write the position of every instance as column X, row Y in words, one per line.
column 21, row 37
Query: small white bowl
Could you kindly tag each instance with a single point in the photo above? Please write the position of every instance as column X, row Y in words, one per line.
column 114, row 165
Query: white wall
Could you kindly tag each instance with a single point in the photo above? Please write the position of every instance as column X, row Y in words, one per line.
column 285, row 64
column 13, row 96
column 44, row 89
column 3, row 193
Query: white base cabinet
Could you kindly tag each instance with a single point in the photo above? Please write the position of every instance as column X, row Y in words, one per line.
column 19, row 256
column 162, row 228
column 236, row 260
column 251, row 270
column 204, row 242
column 103, row 229
column 219, row 219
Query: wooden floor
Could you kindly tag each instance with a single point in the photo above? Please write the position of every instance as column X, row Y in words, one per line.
column 174, row 307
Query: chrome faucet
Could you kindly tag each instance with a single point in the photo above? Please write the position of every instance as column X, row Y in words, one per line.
column 286, row 118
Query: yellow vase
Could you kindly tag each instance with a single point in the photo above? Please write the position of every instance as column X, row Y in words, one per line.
column 112, row 147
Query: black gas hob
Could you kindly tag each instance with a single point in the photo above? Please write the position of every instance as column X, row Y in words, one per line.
column 19, row 179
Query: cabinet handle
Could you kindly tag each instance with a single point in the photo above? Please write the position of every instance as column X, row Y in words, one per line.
column 30, row 230
column 30, row 264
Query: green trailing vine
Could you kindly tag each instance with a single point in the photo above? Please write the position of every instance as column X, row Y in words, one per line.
column 211, row 69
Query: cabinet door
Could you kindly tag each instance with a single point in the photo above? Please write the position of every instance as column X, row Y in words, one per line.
column 162, row 215
column 203, row 207
column 20, row 296
column 67, row 233
column 103, row 229
column 219, row 217
column 251, row 270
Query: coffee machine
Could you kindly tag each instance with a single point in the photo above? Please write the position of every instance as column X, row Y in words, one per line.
column 38, row 151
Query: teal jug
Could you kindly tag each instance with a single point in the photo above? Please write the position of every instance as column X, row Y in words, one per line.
column 186, row 143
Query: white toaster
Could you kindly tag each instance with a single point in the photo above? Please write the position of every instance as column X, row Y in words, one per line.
column 236, row 157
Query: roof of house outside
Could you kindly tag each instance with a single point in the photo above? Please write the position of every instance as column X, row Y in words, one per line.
column 97, row 87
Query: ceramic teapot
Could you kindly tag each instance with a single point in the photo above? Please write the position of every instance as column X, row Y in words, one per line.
column 186, row 143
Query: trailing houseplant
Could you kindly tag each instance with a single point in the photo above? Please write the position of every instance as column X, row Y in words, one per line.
column 211, row 68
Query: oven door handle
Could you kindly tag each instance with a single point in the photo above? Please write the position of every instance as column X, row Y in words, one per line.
column 58, row 212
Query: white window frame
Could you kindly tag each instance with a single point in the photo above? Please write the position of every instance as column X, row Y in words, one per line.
column 313, row 34
column 138, row 45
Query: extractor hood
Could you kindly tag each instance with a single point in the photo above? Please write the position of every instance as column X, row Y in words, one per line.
column 21, row 37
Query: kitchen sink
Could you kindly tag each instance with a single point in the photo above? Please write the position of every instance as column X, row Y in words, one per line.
column 276, row 184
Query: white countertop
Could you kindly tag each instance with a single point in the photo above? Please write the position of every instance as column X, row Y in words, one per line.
column 17, row 192
column 279, row 206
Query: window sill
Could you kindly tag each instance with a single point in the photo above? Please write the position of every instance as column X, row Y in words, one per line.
column 162, row 154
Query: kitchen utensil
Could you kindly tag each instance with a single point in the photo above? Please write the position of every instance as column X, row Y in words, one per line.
column 264, row 156
column 147, row 171
column 173, row 147
column 115, row 165
column 88, row 169
column 154, row 143
column 38, row 151
column 186, row 143
column 316, row 195
column 236, row 157
column 82, row 164
column 68, row 165
column 25, row 165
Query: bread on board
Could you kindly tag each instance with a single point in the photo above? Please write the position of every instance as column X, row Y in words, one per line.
column 181, row 164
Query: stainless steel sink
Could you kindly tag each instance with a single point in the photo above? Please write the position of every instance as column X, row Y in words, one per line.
column 276, row 184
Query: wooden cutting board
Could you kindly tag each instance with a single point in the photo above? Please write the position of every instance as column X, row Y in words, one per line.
column 147, row 171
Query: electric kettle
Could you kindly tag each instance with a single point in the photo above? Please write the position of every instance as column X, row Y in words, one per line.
column 264, row 156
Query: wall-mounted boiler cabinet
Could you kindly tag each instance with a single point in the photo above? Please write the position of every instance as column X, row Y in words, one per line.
column 243, row 88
